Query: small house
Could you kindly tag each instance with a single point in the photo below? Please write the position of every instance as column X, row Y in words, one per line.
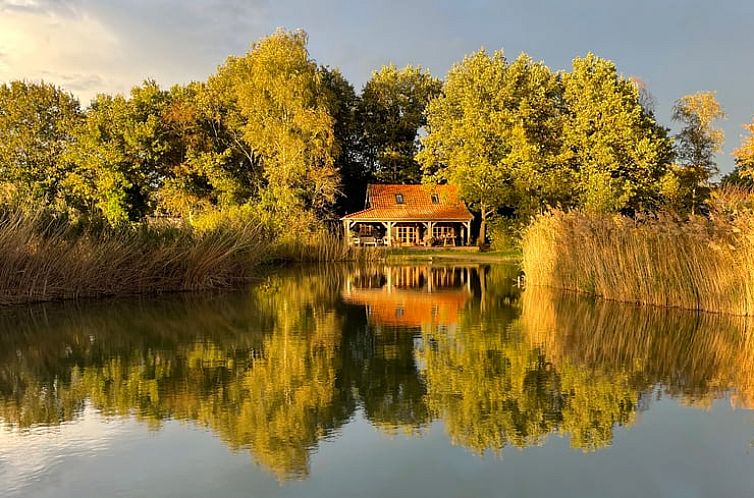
column 410, row 215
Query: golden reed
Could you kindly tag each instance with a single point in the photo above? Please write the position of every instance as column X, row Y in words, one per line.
column 704, row 263
column 43, row 260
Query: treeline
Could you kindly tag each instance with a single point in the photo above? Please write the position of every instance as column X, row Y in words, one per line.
column 275, row 136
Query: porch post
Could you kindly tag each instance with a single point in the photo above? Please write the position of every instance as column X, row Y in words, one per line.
column 346, row 232
column 468, row 232
column 390, row 234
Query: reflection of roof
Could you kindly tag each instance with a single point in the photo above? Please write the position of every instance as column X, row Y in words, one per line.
column 418, row 204
column 409, row 308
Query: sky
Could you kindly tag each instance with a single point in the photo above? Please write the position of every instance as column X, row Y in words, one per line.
column 676, row 47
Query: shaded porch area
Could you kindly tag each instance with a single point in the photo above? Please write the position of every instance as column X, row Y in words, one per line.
column 407, row 233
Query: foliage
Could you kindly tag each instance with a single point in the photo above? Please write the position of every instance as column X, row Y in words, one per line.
column 37, row 121
column 391, row 114
column 697, row 144
column 617, row 150
column 287, row 122
column 466, row 143
column 743, row 174
column 121, row 153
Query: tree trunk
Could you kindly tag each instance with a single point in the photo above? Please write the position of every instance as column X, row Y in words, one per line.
column 483, row 228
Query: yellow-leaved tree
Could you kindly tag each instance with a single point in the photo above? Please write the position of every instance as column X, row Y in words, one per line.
column 287, row 122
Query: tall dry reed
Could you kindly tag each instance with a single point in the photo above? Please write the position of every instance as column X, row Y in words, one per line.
column 323, row 247
column 42, row 260
column 701, row 263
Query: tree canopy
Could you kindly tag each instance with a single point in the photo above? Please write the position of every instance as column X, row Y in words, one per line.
column 391, row 113
column 275, row 135
column 37, row 125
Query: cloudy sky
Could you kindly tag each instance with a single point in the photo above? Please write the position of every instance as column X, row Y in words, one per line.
column 676, row 46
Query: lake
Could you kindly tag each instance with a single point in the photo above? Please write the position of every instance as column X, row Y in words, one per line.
column 422, row 381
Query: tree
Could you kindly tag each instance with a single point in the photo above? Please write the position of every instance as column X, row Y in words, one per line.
column 743, row 174
column 616, row 149
column 468, row 127
column 122, row 153
column 533, row 95
column 212, row 168
column 698, row 142
column 343, row 104
column 36, row 125
column 279, row 93
column 391, row 113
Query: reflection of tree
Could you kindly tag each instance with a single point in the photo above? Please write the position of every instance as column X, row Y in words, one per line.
column 273, row 391
column 276, row 371
column 386, row 377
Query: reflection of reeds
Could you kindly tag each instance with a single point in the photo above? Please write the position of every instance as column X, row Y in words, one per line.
column 698, row 356
column 705, row 264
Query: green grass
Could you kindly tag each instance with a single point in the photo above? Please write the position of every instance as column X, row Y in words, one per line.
column 408, row 255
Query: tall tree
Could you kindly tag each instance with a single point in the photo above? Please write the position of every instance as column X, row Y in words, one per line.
column 391, row 113
column 616, row 148
column 36, row 124
column 698, row 142
column 534, row 98
column 468, row 128
column 121, row 153
column 212, row 167
column 281, row 97
column 343, row 104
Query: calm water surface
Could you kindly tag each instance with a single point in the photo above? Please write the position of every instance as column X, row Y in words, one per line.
column 436, row 381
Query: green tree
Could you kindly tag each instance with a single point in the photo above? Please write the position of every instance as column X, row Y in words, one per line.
column 282, row 101
column 213, row 168
column 391, row 114
column 697, row 143
column 121, row 152
column 468, row 126
column 36, row 125
column 343, row 104
column 616, row 149
column 534, row 97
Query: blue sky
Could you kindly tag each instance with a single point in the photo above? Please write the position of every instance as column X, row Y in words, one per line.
column 676, row 46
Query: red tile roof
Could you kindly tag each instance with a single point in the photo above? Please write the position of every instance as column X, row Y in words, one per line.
column 418, row 205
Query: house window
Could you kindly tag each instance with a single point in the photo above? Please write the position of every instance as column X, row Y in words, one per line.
column 399, row 198
column 435, row 199
column 406, row 234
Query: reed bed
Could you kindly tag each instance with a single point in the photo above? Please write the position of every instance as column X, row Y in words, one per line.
column 324, row 247
column 701, row 263
column 43, row 260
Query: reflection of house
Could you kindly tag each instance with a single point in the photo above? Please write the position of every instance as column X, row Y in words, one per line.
column 411, row 296
column 410, row 215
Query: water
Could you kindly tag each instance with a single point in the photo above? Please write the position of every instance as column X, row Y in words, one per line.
column 436, row 381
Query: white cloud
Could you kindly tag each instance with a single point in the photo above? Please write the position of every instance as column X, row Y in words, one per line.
column 58, row 48
column 90, row 47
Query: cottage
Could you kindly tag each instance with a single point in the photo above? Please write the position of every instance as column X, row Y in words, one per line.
column 410, row 215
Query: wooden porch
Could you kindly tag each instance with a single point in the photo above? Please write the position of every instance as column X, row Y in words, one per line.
column 407, row 233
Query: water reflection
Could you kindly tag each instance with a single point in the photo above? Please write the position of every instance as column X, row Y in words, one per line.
column 277, row 370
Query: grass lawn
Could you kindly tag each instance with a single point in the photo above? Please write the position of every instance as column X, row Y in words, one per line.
column 408, row 255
